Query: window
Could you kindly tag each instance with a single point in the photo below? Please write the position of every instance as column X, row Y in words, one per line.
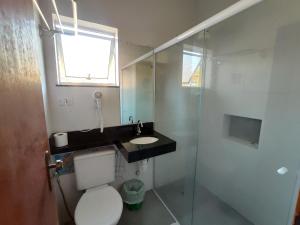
column 88, row 58
column 191, row 68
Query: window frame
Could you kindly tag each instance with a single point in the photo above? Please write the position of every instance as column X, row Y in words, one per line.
column 191, row 50
column 90, row 27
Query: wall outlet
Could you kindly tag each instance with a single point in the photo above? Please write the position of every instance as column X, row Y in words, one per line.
column 67, row 101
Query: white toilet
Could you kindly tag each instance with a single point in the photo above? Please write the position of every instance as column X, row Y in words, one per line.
column 101, row 204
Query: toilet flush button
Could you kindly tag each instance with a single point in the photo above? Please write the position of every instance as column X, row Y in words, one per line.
column 282, row 170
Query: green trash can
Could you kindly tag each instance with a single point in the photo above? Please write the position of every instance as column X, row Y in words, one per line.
column 133, row 192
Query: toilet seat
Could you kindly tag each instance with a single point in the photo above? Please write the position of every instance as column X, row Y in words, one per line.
column 99, row 206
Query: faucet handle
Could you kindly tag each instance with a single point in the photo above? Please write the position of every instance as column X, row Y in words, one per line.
column 139, row 125
column 140, row 122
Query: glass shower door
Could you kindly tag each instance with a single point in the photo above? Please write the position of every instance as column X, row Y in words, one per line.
column 248, row 154
column 177, row 99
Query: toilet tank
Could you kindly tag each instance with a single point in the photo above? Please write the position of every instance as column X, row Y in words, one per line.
column 94, row 168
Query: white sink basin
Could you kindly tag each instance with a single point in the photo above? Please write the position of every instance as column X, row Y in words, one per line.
column 143, row 140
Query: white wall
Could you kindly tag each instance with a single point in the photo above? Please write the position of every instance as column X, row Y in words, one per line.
column 82, row 114
column 141, row 23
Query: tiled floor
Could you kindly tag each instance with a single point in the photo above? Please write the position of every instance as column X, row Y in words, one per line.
column 152, row 213
column 178, row 201
column 208, row 210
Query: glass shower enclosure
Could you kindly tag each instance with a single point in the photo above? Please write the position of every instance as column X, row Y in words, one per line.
column 230, row 97
column 178, row 80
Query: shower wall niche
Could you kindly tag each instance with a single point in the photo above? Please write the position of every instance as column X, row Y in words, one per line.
column 242, row 129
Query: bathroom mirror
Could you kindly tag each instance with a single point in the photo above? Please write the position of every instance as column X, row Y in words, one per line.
column 137, row 91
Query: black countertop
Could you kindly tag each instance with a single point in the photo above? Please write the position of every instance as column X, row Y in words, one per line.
column 133, row 152
column 119, row 136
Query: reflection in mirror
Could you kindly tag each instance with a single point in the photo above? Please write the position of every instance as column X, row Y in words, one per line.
column 137, row 92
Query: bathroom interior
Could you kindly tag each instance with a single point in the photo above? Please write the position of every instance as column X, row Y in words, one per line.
column 189, row 107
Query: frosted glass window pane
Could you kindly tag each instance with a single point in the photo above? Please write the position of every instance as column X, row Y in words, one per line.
column 86, row 56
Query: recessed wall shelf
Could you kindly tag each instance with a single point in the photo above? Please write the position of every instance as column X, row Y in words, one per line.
column 244, row 130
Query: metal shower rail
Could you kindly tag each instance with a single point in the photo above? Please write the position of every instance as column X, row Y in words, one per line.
column 217, row 18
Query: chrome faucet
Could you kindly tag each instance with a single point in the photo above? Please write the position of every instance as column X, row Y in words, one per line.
column 130, row 119
column 139, row 125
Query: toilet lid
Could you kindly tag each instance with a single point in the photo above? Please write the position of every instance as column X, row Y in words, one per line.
column 102, row 206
